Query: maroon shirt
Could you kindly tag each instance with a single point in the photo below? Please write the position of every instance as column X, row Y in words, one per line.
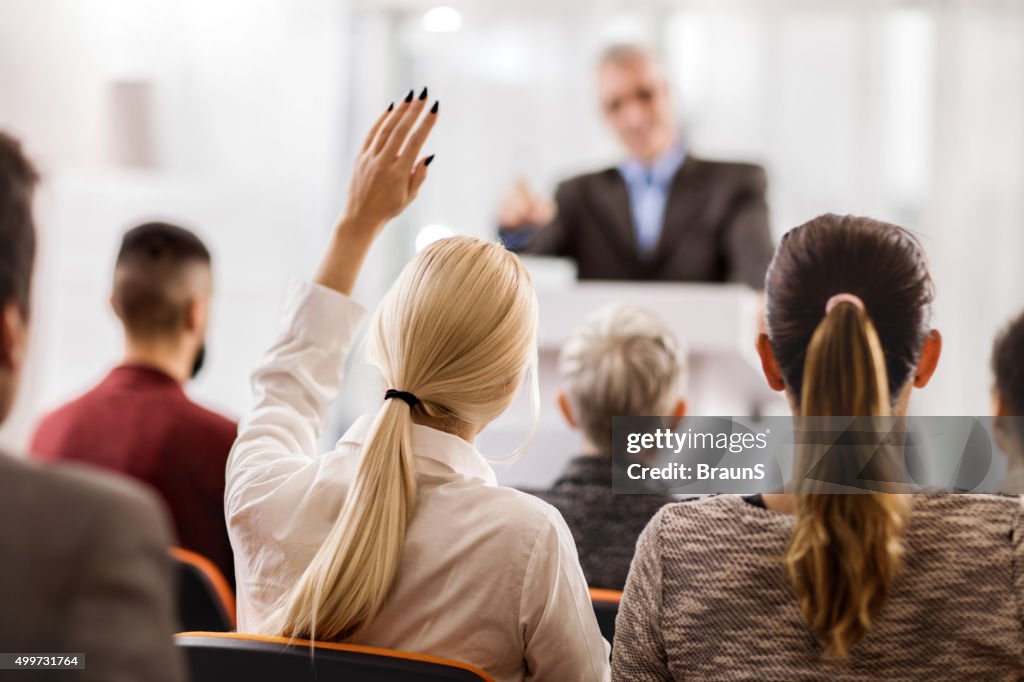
column 139, row 422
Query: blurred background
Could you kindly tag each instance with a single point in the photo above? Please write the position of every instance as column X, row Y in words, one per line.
column 239, row 118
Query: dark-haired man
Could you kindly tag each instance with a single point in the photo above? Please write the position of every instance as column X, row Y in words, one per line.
column 84, row 568
column 138, row 420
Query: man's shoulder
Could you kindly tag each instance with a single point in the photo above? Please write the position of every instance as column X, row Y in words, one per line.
column 736, row 172
column 80, row 406
column 209, row 417
column 73, row 495
column 197, row 419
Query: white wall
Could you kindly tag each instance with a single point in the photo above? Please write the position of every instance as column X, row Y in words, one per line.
column 239, row 134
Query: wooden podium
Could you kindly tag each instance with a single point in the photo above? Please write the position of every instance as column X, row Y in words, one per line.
column 716, row 323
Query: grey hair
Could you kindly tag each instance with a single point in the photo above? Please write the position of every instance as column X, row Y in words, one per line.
column 624, row 53
column 622, row 361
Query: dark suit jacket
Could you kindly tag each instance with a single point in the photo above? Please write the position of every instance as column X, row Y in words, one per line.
column 604, row 525
column 715, row 227
column 85, row 569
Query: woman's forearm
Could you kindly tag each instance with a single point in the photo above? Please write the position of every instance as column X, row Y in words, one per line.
column 339, row 268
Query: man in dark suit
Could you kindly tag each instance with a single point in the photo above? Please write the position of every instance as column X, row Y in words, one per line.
column 85, row 569
column 662, row 214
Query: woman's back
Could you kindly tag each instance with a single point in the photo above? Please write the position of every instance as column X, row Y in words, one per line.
column 711, row 598
column 487, row 573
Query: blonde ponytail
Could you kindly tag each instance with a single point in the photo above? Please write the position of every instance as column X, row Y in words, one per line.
column 457, row 330
column 351, row 574
column 845, row 549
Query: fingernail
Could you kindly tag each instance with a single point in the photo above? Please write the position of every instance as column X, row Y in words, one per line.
column 433, row 109
column 423, row 95
column 391, row 106
column 428, row 160
column 408, row 98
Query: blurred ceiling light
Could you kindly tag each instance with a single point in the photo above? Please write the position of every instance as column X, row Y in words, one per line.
column 430, row 234
column 442, row 19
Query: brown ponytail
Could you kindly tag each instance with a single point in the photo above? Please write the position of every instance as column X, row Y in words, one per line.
column 845, row 550
column 853, row 362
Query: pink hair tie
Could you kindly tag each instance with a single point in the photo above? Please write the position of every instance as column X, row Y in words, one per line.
column 843, row 298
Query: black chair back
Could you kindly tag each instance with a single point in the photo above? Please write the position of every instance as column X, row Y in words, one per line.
column 205, row 600
column 214, row 657
column 606, row 608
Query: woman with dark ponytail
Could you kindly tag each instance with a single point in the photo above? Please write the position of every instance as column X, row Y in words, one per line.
column 821, row 585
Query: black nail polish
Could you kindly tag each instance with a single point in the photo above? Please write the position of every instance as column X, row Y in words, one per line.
column 433, row 109
column 428, row 160
column 423, row 95
column 391, row 106
column 408, row 98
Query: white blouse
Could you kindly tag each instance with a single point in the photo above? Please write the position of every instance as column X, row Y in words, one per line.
column 488, row 575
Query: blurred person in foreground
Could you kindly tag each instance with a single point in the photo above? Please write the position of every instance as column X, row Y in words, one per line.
column 138, row 421
column 623, row 361
column 85, row 568
column 1008, row 368
column 662, row 213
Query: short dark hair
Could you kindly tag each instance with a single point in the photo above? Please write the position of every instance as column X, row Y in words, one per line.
column 18, row 179
column 1008, row 365
column 150, row 268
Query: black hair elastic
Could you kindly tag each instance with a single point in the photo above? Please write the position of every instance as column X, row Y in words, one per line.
column 409, row 399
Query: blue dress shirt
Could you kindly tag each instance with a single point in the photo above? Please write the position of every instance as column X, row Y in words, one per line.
column 648, row 186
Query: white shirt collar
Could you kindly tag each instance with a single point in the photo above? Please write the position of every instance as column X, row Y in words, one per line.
column 453, row 453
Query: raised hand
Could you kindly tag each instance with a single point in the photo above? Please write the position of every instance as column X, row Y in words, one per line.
column 387, row 175
column 388, row 170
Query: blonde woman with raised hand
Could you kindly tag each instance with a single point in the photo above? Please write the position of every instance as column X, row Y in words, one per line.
column 400, row 537
column 824, row 586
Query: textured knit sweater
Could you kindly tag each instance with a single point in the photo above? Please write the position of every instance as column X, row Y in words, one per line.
column 604, row 525
column 708, row 598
